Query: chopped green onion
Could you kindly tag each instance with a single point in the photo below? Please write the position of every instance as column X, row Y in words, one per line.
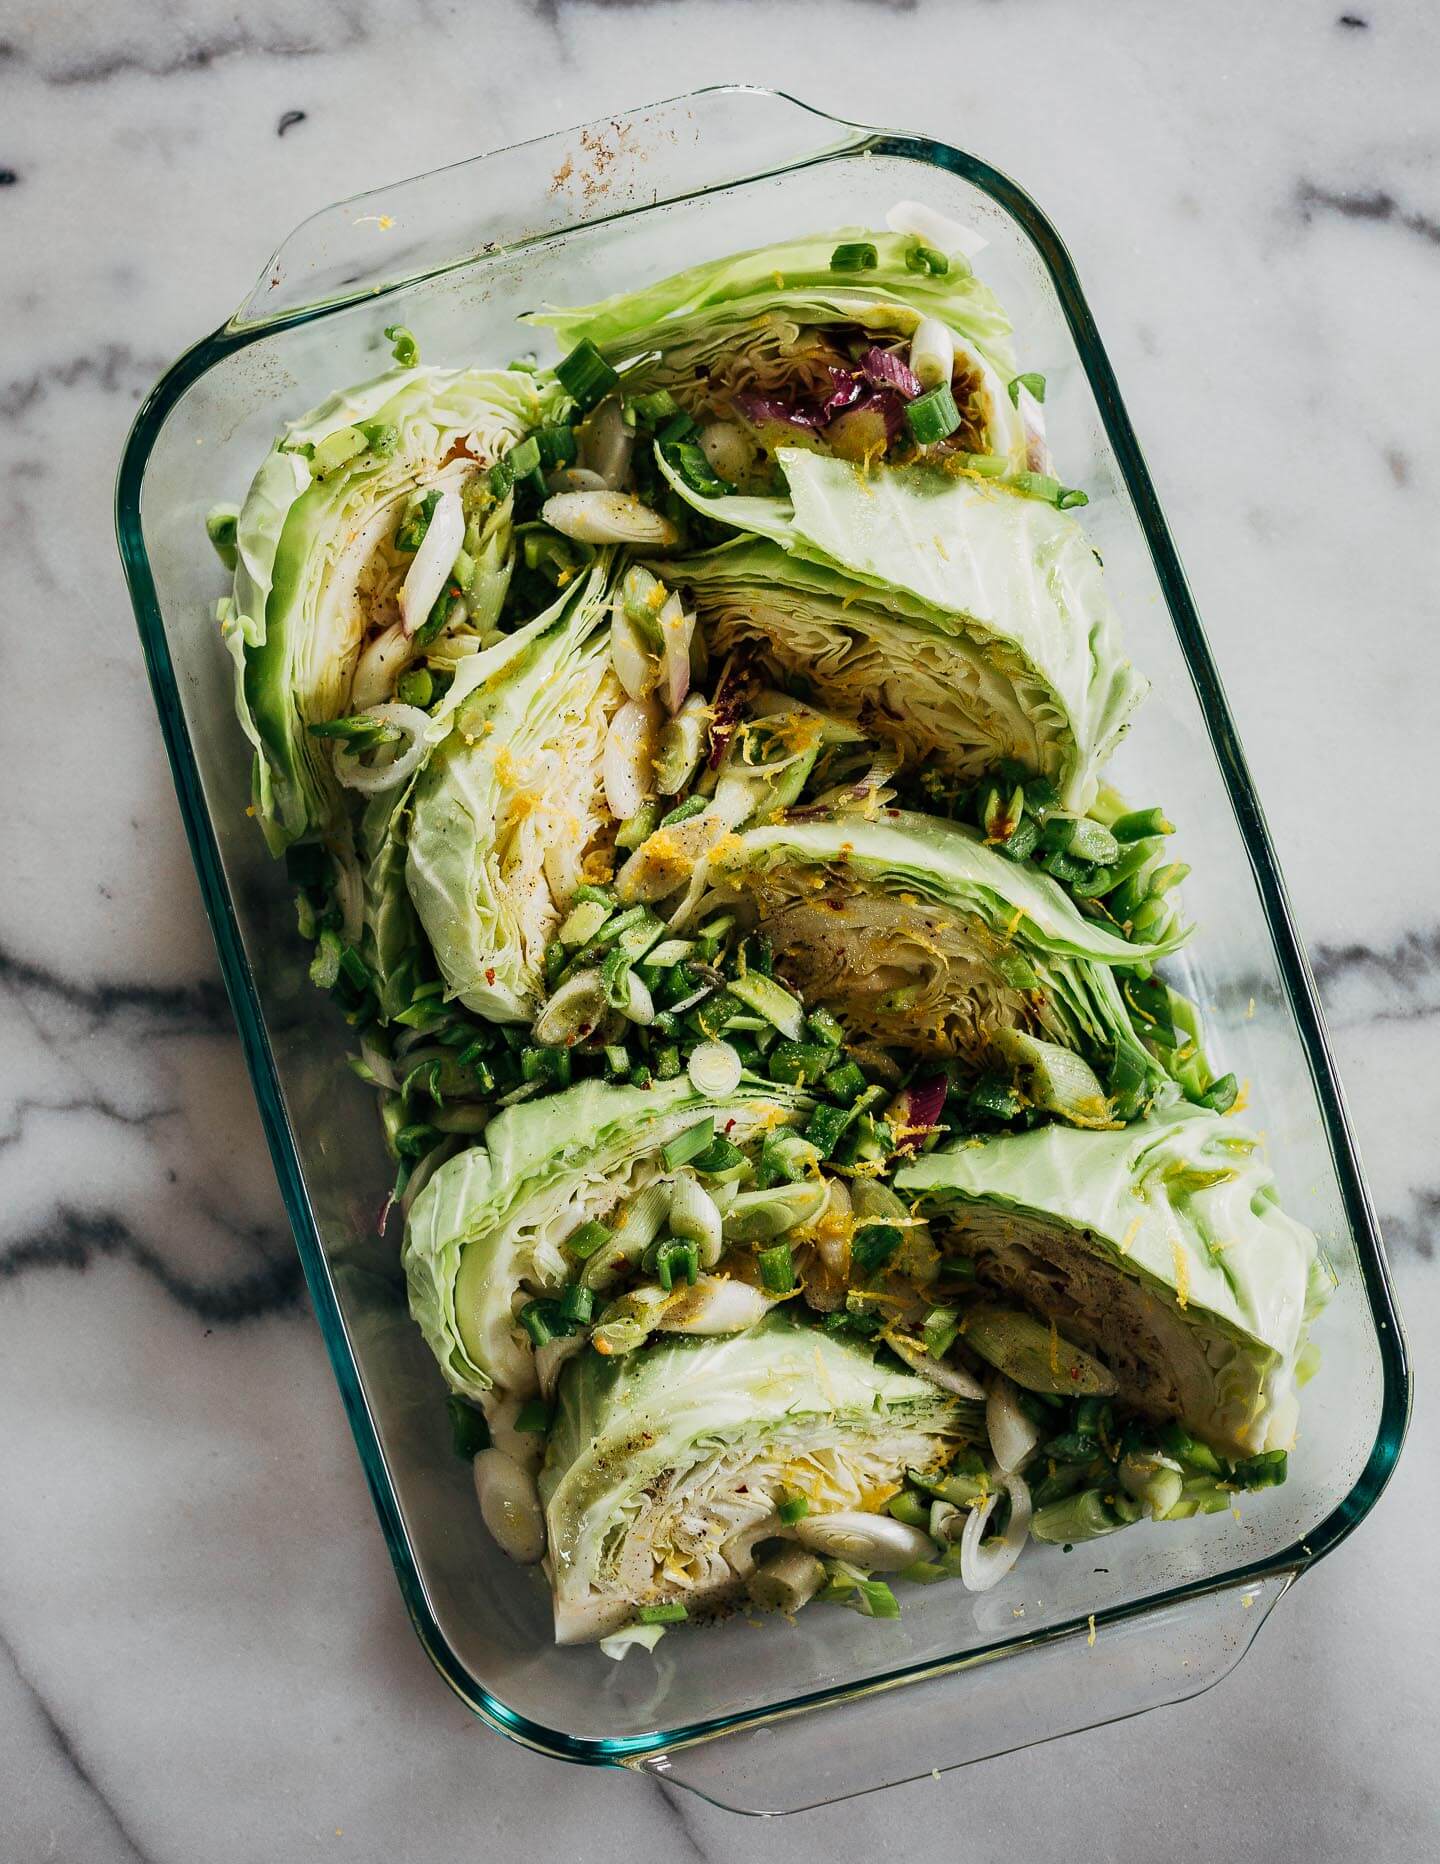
column 794, row 1508
column 469, row 1433
column 1140, row 823
column 694, row 468
column 845, row 1082
column 591, row 1236
column 689, row 1144
column 942, row 1325
column 558, row 445
column 826, row 1127
column 958, row 1268
column 585, row 375
column 798, row 1062
column 720, row 1155
column 786, row 1158
column 672, row 1253
column 416, row 686
column 651, row 409
column 325, row 965
column 854, row 256
column 577, row 1304
column 908, row 1507
column 533, row 1415
column 772, row 1001
column 675, row 1614
column 221, row 524
column 933, row 416
column 922, row 258
column 667, row 1062
column 1265, row 1471
column 1177, row 1442
column 524, row 457
column 1221, row 1095
column 872, row 1246
column 582, row 924
column 825, row 1028
column 692, row 806
column 777, row 1268
column 416, row 522
column 405, row 350
column 1034, row 384
column 543, row 1321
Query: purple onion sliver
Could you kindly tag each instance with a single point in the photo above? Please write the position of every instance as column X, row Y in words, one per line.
column 886, row 370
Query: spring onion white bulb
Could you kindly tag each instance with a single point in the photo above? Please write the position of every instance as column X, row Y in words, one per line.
column 434, row 561
column 932, row 353
column 607, row 518
column 1013, row 1435
column 510, row 1506
column 381, row 663
column 941, row 1372
column 574, row 1010
column 676, row 628
column 628, row 757
column 715, row 1069
column 694, row 1215
column 715, row 1305
column 983, row 1565
column 878, row 1542
column 370, row 779
column 635, row 666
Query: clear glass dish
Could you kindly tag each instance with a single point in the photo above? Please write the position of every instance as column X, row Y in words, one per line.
column 753, row 1720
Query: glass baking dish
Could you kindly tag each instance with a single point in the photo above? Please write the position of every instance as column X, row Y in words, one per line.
column 752, row 1720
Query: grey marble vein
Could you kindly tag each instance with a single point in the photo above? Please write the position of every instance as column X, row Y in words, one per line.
column 123, row 1846
column 1367, row 203
column 78, row 1239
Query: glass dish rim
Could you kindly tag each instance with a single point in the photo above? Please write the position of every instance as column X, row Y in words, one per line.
column 1293, row 964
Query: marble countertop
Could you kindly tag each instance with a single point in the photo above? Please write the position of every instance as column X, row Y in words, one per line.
column 202, row 1649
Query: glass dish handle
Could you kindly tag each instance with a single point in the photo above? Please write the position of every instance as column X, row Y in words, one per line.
column 497, row 204
column 980, row 1709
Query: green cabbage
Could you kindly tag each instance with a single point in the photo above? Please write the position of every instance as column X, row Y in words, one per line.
column 511, row 803
column 485, row 1234
column 317, row 569
column 1012, row 582
column 664, row 1468
column 923, row 938
column 1162, row 1247
column 751, row 313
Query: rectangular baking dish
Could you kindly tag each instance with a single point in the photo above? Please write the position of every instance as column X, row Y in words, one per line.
column 761, row 1721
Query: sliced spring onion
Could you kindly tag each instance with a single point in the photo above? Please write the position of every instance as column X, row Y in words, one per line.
column 583, row 1243
column 715, row 1069
column 469, row 1433
column 585, row 375
column 772, row 1001
column 933, row 416
column 854, row 256
column 1032, row 383
column 404, row 348
column 662, row 1614
column 777, row 1268
column 932, row 353
column 689, row 1144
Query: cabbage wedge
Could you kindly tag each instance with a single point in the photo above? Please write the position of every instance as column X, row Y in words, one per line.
column 487, row 1233
column 746, row 338
column 955, row 578
column 508, row 816
column 318, row 572
column 665, row 1468
column 1162, row 1248
column 923, row 939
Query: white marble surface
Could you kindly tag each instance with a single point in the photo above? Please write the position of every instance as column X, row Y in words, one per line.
column 202, row 1650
